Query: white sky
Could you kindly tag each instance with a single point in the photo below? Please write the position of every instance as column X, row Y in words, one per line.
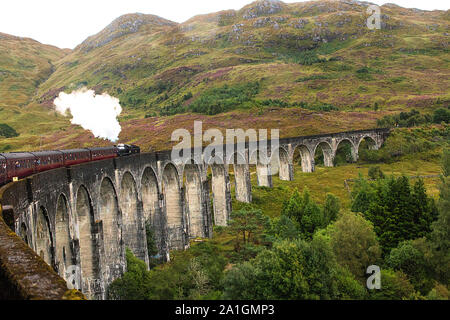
column 67, row 23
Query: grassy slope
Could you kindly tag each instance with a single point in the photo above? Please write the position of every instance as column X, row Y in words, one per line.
column 24, row 64
column 408, row 63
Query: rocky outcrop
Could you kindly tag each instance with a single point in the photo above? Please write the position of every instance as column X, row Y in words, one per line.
column 124, row 25
column 262, row 7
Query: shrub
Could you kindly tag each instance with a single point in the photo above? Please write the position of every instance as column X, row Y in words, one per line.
column 308, row 58
column 394, row 286
column 404, row 119
column 441, row 115
column 7, row 131
column 376, row 173
column 226, row 98
column 411, row 261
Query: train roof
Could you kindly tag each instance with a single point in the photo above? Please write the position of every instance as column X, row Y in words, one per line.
column 75, row 151
column 18, row 155
column 102, row 148
column 46, row 153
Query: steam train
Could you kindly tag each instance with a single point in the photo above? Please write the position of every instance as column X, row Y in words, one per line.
column 23, row 164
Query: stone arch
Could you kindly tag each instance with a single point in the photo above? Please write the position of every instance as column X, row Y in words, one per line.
column 243, row 187
column 220, row 186
column 174, row 207
column 327, row 152
column 307, row 158
column 153, row 216
column 150, row 195
column 63, row 248
column 280, row 164
column 194, row 205
column 370, row 141
column 89, row 248
column 44, row 239
column 129, row 203
column 353, row 156
column 108, row 209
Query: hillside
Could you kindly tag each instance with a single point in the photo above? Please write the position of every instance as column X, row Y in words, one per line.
column 24, row 65
column 267, row 56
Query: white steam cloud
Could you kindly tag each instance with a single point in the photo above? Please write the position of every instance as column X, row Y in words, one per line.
column 97, row 113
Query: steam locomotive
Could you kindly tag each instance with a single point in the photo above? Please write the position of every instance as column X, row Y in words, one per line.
column 23, row 164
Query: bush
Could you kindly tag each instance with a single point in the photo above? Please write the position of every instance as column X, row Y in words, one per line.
column 226, row 98
column 308, row 58
column 7, row 131
column 441, row 115
column 133, row 284
column 402, row 142
column 187, row 96
column 394, row 286
column 375, row 173
column 404, row 119
column 411, row 261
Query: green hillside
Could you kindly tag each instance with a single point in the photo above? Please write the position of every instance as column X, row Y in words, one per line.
column 316, row 56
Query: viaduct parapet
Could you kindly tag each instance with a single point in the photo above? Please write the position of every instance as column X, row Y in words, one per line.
column 81, row 219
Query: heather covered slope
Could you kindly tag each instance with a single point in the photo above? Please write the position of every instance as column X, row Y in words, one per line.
column 310, row 51
column 269, row 55
column 24, row 65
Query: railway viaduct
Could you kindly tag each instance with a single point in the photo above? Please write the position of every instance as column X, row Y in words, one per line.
column 80, row 220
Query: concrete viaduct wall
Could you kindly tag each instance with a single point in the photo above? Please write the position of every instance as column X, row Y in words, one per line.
column 80, row 220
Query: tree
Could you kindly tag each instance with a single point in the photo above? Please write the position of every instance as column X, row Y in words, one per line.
column 412, row 262
column 441, row 115
column 248, row 225
column 239, row 283
column 151, row 244
column 292, row 270
column 440, row 235
column 394, row 286
column 132, row 285
column 283, row 228
column 307, row 214
column 354, row 243
column 439, row 292
column 331, row 208
column 397, row 211
column 362, row 194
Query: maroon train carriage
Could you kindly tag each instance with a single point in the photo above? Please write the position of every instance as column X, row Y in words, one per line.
column 20, row 165
column 103, row 153
column 48, row 160
column 23, row 164
column 76, row 156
